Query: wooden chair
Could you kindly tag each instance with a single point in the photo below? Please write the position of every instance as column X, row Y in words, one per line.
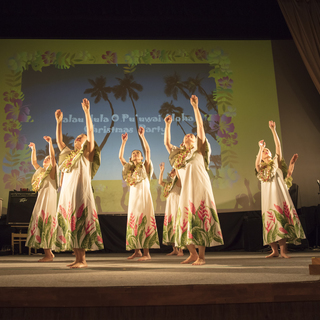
column 18, row 238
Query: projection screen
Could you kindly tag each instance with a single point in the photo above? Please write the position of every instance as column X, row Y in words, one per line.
column 137, row 83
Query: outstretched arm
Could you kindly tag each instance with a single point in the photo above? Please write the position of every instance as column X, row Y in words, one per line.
column 33, row 155
column 200, row 128
column 272, row 126
column 291, row 165
column 90, row 133
column 146, row 147
column 124, row 138
column 52, row 157
column 161, row 182
column 262, row 145
column 59, row 137
column 167, row 133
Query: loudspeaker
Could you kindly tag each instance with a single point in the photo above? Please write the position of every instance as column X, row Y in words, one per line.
column 20, row 206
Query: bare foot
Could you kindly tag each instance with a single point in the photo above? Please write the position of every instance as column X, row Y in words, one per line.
column 180, row 253
column 46, row 259
column 71, row 264
column 199, row 262
column 135, row 255
column 283, row 255
column 273, row 255
column 190, row 259
column 79, row 265
column 174, row 252
column 145, row 258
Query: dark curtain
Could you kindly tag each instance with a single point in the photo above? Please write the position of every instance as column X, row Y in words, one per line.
column 113, row 228
column 303, row 20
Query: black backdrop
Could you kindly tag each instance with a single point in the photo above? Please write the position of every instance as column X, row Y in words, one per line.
column 241, row 231
column 113, row 228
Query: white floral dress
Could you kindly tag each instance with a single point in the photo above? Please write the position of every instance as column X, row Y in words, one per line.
column 170, row 216
column 197, row 218
column 77, row 215
column 141, row 223
column 279, row 217
column 42, row 229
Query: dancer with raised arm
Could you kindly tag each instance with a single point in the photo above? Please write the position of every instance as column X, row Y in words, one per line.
column 197, row 218
column 42, row 229
column 172, row 194
column 141, row 226
column 79, row 227
column 280, row 220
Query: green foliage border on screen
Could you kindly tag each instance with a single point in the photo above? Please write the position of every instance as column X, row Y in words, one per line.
column 17, row 154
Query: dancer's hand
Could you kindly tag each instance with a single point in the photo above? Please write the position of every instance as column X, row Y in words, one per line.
column 194, row 101
column 272, row 125
column 85, row 105
column 162, row 166
column 48, row 139
column 59, row 115
column 124, row 137
column 31, row 145
column 168, row 119
column 262, row 144
column 141, row 131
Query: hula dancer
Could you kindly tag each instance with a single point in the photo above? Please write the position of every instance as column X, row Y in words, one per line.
column 42, row 229
column 79, row 228
column 141, row 227
column 197, row 219
column 280, row 220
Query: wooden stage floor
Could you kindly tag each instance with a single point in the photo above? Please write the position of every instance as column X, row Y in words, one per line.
column 112, row 281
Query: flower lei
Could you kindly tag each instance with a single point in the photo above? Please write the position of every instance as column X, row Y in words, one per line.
column 39, row 178
column 70, row 159
column 167, row 188
column 37, row 182
column 133, row 174
column 265, row 173
column 180, row 159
